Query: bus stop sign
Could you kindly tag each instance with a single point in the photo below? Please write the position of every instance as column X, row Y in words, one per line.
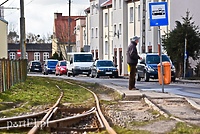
column 158, row 13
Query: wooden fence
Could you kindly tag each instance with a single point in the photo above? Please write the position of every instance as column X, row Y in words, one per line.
column 12, row 72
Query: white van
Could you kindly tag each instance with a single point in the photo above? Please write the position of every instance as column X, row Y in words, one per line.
column 79, row 63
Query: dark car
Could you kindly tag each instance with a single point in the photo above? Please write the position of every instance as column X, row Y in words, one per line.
column 148, row 66
column 61, row 68
column 104, row 68
column 49, row 66
column 34, row 66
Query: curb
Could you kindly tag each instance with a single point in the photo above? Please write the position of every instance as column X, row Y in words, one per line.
column 193, row 103
column 177, row 80
column 151, row 104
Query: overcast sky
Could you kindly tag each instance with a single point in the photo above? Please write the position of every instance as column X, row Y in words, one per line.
column 39, row 14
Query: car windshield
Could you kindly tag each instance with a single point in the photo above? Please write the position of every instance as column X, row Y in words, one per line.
column 36, row 63
column 63, row 63
column 104, row 63
column 83, row 58
column 155, row 59
column 52, row 63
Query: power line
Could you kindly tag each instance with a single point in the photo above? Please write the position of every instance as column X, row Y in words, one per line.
column 29, row 2
column 4, row 2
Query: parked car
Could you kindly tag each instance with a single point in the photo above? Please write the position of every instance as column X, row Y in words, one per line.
column 104, row 68
column 61, row 68
column 147, row 66
column 49, row 66
column 34, row 66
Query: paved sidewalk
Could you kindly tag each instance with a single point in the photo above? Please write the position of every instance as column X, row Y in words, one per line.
column 170, row 105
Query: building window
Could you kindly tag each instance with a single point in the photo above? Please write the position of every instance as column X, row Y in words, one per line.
column 112, row 49
column 96, row 32
column 106, row 47
column 120, row 29
column 131, row 14
column 111, row 18
column 139, row 13
column 115, row 30
column 149, row 27
column 26, row 55
column 92, row 10
column 12, row 56
column 96, row 8
column 45, row 56
column 106, row 19
column 36, row 56
column 92, row 33
column 120, row 4
column 114, row 4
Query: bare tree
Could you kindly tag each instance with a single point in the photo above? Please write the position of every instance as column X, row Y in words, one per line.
column 33, row 38
column 13, row 37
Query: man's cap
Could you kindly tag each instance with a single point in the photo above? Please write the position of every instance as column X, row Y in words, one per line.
column 135, row 38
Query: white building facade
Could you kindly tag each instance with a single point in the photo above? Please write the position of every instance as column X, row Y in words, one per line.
column 96, row 28
column 112, row 26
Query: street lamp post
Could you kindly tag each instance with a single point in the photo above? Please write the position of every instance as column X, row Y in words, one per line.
column 69, row 19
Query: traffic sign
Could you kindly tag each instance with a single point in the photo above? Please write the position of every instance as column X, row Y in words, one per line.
column 158, row 13
column 19, row 53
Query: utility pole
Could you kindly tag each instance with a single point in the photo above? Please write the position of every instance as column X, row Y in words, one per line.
column 143, row 25
column 22, row 31
column 69, row 21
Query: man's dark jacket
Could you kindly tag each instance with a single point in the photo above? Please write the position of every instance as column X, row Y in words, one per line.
column 132, row 54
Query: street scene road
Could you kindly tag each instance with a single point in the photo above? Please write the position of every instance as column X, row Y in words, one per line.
column 179, row 103
column 182, row 88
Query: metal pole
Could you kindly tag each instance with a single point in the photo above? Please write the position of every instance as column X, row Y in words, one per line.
column 109, row 34
column 69, row 19
column 143, row 25
column 161, row 69
column 185, row 58
column 22, row 31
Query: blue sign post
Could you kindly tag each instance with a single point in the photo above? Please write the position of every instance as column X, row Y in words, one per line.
column 159, row 17
column 158, row 13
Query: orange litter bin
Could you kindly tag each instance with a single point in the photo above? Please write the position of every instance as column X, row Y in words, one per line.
column 166, row 72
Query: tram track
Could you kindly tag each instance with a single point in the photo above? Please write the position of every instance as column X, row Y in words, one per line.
column 61, row 119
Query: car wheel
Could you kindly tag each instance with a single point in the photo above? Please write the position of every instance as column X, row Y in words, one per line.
column 56, row 74
column 116, row 76
column 173, row 79
column 92, row 76
column 138, row 78
column 146, row 77
column 68, row 74
column 96, row 75
column 73, row 73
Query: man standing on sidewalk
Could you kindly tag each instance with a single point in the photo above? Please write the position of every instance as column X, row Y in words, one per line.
column 132, row 60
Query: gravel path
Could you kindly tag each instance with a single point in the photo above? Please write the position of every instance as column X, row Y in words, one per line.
column 138, row 115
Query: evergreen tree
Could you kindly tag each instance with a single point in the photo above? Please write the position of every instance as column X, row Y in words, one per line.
column 174, row 42
column 55, row 56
